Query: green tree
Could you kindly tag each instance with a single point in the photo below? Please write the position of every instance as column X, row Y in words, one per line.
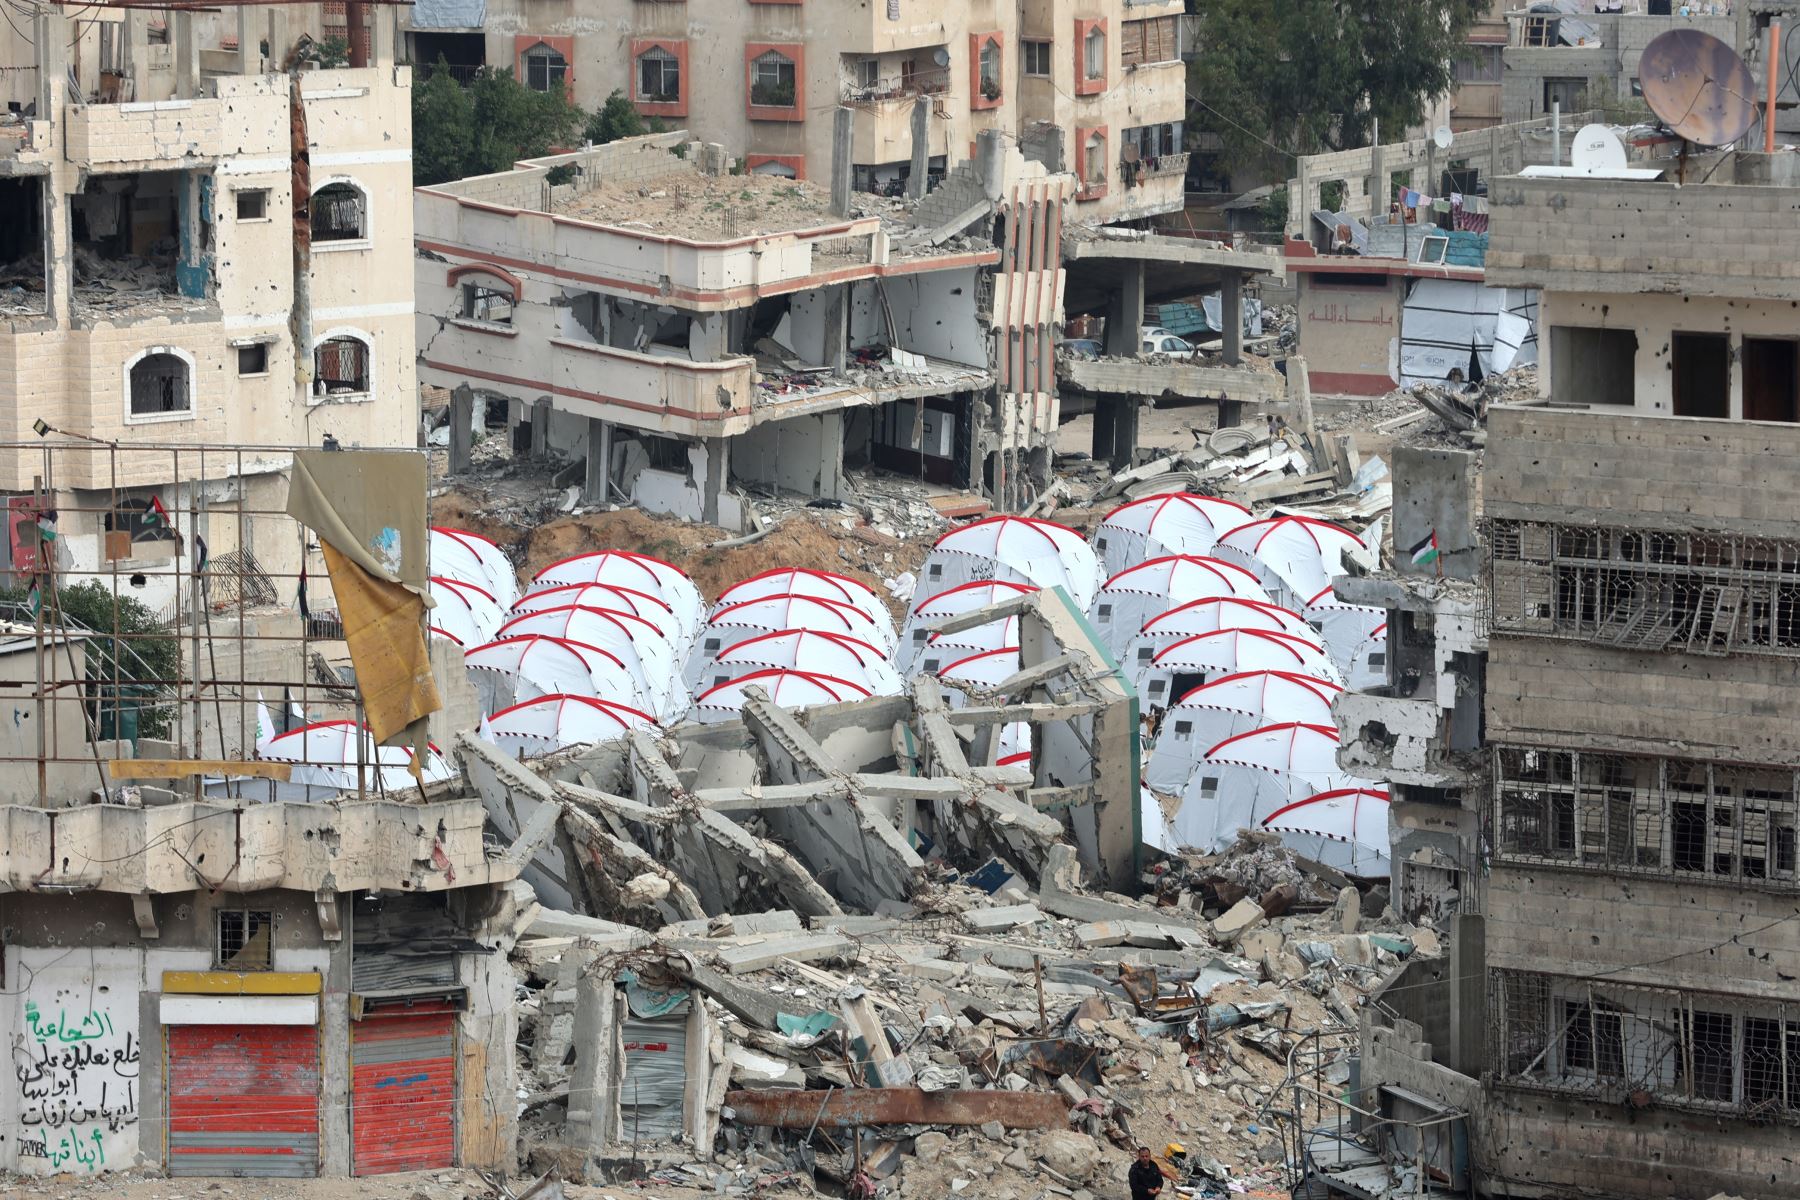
column 126, row 642
column 490, row 125
column 1310, row 76
column 617, row 118
column 443, row 128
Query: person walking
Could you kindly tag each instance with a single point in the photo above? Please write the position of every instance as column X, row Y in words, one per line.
column 1146, row 1177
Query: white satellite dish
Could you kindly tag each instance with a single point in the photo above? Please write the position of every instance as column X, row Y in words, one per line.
column 941, row 57
column 1442, row 137
column 1597, row 151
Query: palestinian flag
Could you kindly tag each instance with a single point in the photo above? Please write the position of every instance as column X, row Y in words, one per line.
column 200, row 554
column 156, row 516
column 1426, row 552
column 35, row 598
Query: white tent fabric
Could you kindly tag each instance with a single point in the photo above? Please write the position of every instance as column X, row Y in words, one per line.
column 773, row 614
column 466, row 613
column 785, row 689
column 549, row 723
column 1226, row 707
column 1182, row 666
column 1209, row 616
column 652, row 608
column 1136, row 594
column 953, row 602
column 1020, row 549
column 638, row 571
column 1246, row 778
column 982, row 669
column 515, row 669
column 471, row 558
column 830, row 655
column 1458, row 324
column 1346, row 828
column 326, row 753
column 797, row 581
column 628, row 638
column 1178, row 523
column 951, row 647
column 1154, row 823
column 1368, row 666
column 1346, row 628
column 1293, row 557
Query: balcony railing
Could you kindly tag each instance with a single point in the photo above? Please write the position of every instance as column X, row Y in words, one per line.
column 934, row 82
column 463, row 73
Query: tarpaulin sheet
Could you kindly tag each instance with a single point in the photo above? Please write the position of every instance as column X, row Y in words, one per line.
column 1454, row 324
column 448, row 14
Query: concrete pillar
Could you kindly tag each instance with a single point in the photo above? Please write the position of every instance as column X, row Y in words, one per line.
column 1468, row 991
column 1125, row 312
column 334, row 1045
column 356, row 25
column 249, row 37
column 540, row 427
column 1103, row 429
column 1231, row 318
column 593, row 1112
column 1125, row 433
column 843, row 160
column 921, row 149
column 837, row 327
column 462, row 429
column 1231, row 413
column 279, row 46
column 50, row 30
column 718, row 474
column 596, row 488
column 187, row 54
column 384, row 35
column 1300, row 392
column 990, row 162
column 831, row 456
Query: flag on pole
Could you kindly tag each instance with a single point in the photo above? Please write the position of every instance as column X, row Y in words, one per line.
column 1426, row 552
column 156, row 516
column 35, row 598
column 200, row 554
column 304, row 610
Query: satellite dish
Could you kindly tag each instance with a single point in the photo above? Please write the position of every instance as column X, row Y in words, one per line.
column 941, row 57
column 1698, row 86
column 1597, row 151
column 1442, row 137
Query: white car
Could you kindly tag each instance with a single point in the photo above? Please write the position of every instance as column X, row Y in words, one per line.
column 1167, row 343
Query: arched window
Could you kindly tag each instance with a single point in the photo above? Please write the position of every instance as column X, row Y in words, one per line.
column 545, row 68
column 1093, row 54
column 340, row 213
column 772, row 80
column 990, row 69
column 659, row 76
column 343, row 365
column 487, row 298
column 159, row 382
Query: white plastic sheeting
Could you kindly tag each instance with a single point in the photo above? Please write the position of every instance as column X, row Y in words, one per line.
column 651, row 608
column 797, row 581
column 1459, row 325
column 326, row 754
column 775, row 614
column 1226, row 707
column 1178, row 523
column 1209, row 616
column 466, row 613
column 1135, row 595
column 549, row 723
column 628, row 638
column 515, row 669
column 1346, row 828
column 830, row 655
column 471, row 558
column 1368, row 666
column 637, row 571
column 1293, row 557
column 785, row 689
column 953, row 602
column 1019, row 549
column 1181, row 666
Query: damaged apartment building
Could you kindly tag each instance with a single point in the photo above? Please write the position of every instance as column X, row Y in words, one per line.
column 160, row 282
column 680, row 327
column 1621, row 1012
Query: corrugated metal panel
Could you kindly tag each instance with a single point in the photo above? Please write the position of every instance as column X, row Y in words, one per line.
column 393, row 969
column 655, row 1077
column 400, row 942
column 403, row 1093
column 243, row 1100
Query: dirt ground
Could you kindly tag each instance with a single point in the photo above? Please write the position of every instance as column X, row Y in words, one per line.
column 411, row 1185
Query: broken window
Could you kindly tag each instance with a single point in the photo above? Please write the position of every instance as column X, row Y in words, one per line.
column 545, row 68
column 341, row 366
column 772, row 80
column 253, row 359
column 1093, row 162
column 1152, row 40
column 1699, row 374
column 1771, row 379
column 1093, row 54
column 253, row 204
column 990, row 69
column 339, row 214
column 139, row 523
column 22, row 245
column 161, row 384
column 485, row 298
column 1593, row 366
column 245, row 939
column 1711, row 1056
column 127, row 236
column 1593, row 1040
column 659, row 76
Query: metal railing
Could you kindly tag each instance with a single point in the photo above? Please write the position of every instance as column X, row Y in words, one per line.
column 463, row 73
column 934, row 82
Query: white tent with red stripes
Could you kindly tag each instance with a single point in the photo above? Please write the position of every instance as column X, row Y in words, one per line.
column 326, row 754
column 1368, row 666
column 1346, row 828
column 639, row 572
column 470, row 558
column 1209, row 616
column 952, row 647
column 1293, row 557
column 1181, row 666
column 1019, row 549
column 983, row 670
column 1248, row 778
column 831, row 655
column 735, row 623
column 1176, row 523
column 1226, row 707
column 1136, row 594
column 800, row 581
column 629, row 638
column 545, row 724
column 1347, row 629
column 785, row 689
column 651, row 608
column 513, row 669
column 466, row 613
column 952, row 602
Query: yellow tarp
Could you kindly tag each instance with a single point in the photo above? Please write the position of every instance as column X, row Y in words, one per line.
column 384, row 626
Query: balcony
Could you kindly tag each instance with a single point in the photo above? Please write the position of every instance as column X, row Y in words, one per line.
column 672, row 395
column 894, row 89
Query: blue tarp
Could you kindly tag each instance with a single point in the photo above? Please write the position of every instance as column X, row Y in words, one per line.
column 449, row 14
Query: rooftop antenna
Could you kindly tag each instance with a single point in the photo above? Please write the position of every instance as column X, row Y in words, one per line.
column 1597, row 151
column 1699, row 88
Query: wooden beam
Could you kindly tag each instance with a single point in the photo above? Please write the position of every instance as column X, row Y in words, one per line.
column 183, row 768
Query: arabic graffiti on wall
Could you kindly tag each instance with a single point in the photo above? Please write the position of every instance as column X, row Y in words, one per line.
column 75, row 1065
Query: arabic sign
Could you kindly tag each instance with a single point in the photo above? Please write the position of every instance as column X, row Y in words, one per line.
column 75, row 1066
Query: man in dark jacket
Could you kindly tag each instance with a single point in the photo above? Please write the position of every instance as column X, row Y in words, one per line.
column 1146, row 1177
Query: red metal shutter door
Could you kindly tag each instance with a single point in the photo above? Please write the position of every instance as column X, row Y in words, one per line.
column 243, row 1100
column 403, row 1093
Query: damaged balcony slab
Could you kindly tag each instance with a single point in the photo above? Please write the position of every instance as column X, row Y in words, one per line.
column 1106, row 376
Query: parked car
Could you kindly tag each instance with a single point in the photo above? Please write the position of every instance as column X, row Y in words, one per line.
column 1080, row 347
column 1167, row 343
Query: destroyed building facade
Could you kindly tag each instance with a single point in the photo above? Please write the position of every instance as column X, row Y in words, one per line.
column 1095, row 88
column 160, row 285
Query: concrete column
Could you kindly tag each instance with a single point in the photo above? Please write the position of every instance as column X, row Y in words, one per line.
column 843, row 159
column 1468, row 992
column 249, row 37
column 921, row 148
column 1231, row 318
column 1231, row 413
column 593, row 1113
column 278, row 38
column 383, row 35
column 50, row 30
column 718, row 474
column 1379, row 180
column 596, row 489
column 990, row 162
column 831, row 456
column 1104, row 432
column 1125, row 312
column 1300, row 392
column 462, row 429
column 1125, row 433
column 187, row 54
column 356, row 25
column 540, row 427
column 334, row 1046
column 837, row 327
